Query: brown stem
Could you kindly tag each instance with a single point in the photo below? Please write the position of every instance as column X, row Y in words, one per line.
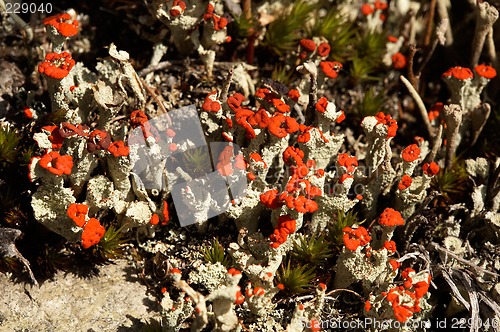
column 411, row 75
column 430, row 23
column 159, row 100
column 246, row 6
column 313, row 99
column 436, row 145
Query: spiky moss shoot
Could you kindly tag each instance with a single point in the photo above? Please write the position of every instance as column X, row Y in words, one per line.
column 15, row 217
column 295, row 279
column 8, row 200
column 361, row 70
column 371, row 48
column 283, row 74
column 241, row 28
column 198, row 160
column 9, row 141
column 454, row 184
column 338, row 30
column 215, row 253
column 371, row 103
column 111, row 244
column 282, row 34
column 26, row 155
column 311, row 250
column 338, row 223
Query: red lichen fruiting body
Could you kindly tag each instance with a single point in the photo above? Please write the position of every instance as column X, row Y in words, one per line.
column 92, row 233
column 63, row 23
column 391, row 217
column 56, row 65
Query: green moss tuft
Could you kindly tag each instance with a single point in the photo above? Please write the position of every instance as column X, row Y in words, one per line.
column 373, row 101
column 341, row 221
column 9, row 141
column 452, row 184
column 282, row 34
column 111, row 244
column 297, row 279
column 339, row 32
column 215, row 254
column 311, row 250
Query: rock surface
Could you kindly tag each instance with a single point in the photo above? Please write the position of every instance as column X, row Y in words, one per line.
column 115, row 300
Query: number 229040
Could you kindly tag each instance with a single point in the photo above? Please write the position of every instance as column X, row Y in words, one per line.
column 18, row 8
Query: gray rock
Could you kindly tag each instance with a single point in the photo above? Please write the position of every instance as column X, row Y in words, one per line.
column 115, row 300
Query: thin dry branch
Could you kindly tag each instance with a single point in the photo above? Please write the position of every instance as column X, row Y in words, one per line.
column 420, row 104
column 430, row 23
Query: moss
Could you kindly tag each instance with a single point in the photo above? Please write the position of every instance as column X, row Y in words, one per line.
column 295, row 279
column 362, row 70
column 371, row 48
column 454, row 185
column 340, row 221
column 283, row 34
column 338, row 31
column 111, row 244
column 283, row 74
column 371, row 103
column 215, row 254
column 311, row 250
column 9, row 141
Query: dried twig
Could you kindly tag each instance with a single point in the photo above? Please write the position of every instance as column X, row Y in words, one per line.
column 158, row 99
column 456, row 292
column 420, row 104
column 450, row 253
column 473, row 300
column 430, row 23
column 344, row 290
column 411, row 74
column 441, row 38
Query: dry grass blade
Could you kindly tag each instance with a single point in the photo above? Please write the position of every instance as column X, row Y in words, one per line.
column 476, row 268
column 454, row 288
column 474, row 302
